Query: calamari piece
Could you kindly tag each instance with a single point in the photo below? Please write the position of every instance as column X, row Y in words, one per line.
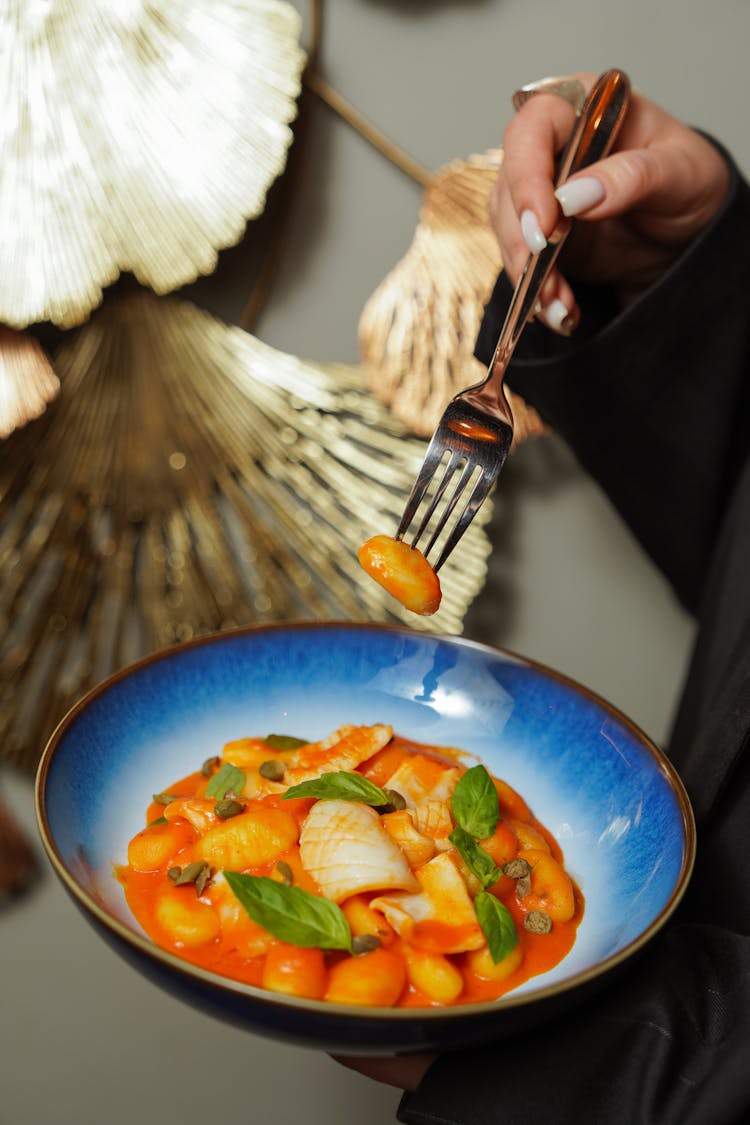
column 346, row 849
column 199, row 811
column 441, row 917
column 355, row 746
column 258, row 787
column 247, row 936
column 416, row 846
column 421, row 778
column 249, row 754
column 432, row 817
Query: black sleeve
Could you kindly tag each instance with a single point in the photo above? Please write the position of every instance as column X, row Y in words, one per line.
column 663, row 1047
column 655, row 401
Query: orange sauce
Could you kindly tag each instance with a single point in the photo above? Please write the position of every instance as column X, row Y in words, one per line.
column 246, row 952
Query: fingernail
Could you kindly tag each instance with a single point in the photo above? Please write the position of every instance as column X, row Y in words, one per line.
column 532, row 232
column 558, row 318
column 579, row 195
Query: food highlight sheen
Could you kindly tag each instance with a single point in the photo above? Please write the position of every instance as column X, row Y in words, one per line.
column 360, row 869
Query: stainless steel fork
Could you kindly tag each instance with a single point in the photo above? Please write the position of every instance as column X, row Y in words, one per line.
column 476, row 428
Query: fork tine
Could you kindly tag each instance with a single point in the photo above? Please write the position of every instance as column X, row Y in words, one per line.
column 450, row 469
column 432, row 459
column 473, row 504
column 466, row 475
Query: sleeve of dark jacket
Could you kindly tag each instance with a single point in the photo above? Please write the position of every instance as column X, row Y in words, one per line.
column 655, row 403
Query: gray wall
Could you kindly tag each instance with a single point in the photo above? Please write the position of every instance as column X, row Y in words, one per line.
column 82, row 1038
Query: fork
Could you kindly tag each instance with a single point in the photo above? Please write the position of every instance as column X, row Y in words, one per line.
column 476, row 428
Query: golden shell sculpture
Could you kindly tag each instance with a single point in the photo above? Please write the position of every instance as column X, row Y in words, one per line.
column 135, row 137
column 187, row 479
column 418, row 329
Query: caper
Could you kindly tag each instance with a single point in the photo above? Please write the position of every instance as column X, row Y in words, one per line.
column 395, row 802
column 538, row 922
column 192, row 873
column 523, row 886
column 227, row 807
column 210, row 765
column 284, row 741
column 516, row 868
column 365, row 943
column 202, row 879
column 164, row 798
column 272, row 769
column 285, row 871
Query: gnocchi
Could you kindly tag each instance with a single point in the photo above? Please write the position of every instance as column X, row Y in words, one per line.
column 361, row 869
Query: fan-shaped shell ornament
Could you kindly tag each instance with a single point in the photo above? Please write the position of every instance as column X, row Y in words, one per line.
column 136, row 135
column 190, row 478
column 27, row 380
column 418, row 329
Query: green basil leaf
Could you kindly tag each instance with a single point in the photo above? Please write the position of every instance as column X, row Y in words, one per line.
column 479, row 862
column 474, row 803
column 159, row 820
column 290, row 913
column 497, row 925
column 285, row 741
column 340, row 785
column 228, row 778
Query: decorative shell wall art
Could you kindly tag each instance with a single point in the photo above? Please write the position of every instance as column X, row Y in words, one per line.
column 27, row 380
column 190, row 478
column 136, row 135
column 418, row 329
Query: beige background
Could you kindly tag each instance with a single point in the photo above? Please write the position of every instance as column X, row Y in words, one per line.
column 83, row 1039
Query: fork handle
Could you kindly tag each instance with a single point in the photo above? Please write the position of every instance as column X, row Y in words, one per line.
column 592, row 138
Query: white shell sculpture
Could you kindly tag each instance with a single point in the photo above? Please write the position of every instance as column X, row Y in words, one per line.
column 190, row 478
column 136, row 135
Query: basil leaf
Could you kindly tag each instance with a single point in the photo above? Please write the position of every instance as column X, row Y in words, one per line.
column 291, row 914
column 285, row 742
column 228, row 778
column 479, row 862
column 497, row 924
column 159, row 820
column 474, row 803
column 340, row 785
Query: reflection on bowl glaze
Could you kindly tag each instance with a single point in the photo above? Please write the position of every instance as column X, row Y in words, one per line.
column 603, row 789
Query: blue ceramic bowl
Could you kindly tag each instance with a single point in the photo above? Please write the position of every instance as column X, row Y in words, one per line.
column 605, row 791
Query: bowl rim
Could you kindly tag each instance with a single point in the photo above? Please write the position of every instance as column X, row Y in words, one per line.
column 236, row 988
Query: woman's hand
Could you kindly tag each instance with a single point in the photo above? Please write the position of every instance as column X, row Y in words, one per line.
column 637, row 209
column 403, row 1071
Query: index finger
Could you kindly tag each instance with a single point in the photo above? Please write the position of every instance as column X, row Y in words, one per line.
column 532, row 142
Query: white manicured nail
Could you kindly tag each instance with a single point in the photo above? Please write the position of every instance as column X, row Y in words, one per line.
column 557, row 317
column 579, row 195
column 532, row 232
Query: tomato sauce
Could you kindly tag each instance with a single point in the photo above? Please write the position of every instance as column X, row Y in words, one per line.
column 396, row 959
